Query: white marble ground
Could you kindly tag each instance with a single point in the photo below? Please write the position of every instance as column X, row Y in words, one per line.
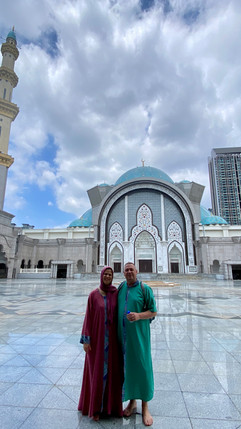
column 196, row 352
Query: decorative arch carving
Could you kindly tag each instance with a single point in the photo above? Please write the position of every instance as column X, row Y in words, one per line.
column 174, row 232
column 144, row 223
column 116, row 233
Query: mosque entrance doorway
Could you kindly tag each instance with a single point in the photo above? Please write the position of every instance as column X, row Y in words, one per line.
column 174, row 267
column 145, row 265
column 3, row 271
column 117, row 267
column 236, row 269
column 3, row 264
column 145, row 250
column 116, row 258
column 62, row 271
column 175, row 258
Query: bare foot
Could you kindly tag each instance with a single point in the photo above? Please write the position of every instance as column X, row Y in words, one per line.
column 130, row 409
column 146, row 416
column 96, row 417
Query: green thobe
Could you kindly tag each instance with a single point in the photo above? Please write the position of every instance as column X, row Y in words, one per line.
column 135, row 338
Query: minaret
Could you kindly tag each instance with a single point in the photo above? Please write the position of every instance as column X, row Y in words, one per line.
column 8, row 110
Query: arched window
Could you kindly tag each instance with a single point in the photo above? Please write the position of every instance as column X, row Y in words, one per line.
column 40, row 264
column 216, row 266
column 80, row 266
column 23, row 263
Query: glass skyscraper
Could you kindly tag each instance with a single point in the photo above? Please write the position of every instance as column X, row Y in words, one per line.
column 225, row 182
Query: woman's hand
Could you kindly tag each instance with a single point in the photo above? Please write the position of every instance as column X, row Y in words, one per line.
column 87, row 347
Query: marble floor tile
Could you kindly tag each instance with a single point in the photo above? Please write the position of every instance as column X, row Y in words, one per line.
column 211, row 406
column 196, row 352
column 12, row 374
column 72, row 377
column 191, row 367
column 53, row 419
column 4, row 387
column 58, row 400
column 24, row 395
column 13, row 417
column 199, row 383
column 230, row 383
column 215, row 424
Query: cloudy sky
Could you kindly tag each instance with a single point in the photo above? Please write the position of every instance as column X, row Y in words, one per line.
column 104, row 84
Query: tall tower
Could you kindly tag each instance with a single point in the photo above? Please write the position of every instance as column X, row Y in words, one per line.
column 225, row 183
column 8, row 110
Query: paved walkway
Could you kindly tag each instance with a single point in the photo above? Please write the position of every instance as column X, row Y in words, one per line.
column 196, row 351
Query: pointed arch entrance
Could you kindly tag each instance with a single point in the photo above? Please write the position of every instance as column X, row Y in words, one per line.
column 175, row 258
column 116, row 257
column 145, row 253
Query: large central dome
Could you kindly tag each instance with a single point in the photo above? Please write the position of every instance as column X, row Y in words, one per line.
column 139, row 172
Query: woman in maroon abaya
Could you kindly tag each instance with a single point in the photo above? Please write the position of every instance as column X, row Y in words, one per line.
column 101, row 392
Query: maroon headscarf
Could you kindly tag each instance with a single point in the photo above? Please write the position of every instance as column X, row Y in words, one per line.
column 109, row 291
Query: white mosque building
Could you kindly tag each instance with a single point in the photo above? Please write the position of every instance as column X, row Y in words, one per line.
column 144, row 217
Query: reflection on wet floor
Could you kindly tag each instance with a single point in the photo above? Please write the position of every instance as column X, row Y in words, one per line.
column 196, row 352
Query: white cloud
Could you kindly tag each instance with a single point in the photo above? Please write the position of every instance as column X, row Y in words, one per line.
column 123, row 86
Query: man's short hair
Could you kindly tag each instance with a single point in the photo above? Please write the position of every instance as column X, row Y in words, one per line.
column 129, row 263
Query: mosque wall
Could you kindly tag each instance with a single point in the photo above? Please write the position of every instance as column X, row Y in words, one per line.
column 216, row 255
column 8, row 243
column 173, row 213
column 80, row 252
column 220, row 256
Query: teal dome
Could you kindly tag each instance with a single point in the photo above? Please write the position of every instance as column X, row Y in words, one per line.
column 84, row 221
column 139, row 172
column 207, row 218
column 12, row 35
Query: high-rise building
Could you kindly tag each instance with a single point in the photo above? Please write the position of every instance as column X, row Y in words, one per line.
column 225, row 183
column 8, row 110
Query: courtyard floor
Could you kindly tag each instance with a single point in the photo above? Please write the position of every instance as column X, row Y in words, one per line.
column 196, row 349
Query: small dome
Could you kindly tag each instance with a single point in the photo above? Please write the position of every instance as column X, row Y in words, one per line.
column 84, row 221
column 12, row 35
column 207, row 218
column 139, row 172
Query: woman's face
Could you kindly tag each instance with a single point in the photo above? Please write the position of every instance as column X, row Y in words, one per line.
column 107, row 277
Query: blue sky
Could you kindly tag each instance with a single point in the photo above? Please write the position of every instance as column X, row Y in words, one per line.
column 104, row 84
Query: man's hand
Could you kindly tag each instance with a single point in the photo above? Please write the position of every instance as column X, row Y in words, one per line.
column 133, row 317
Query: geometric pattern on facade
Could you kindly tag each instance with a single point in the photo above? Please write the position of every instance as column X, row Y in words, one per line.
column 116, row 233
column 152, row 186
column 174, row 232
column 144, row 223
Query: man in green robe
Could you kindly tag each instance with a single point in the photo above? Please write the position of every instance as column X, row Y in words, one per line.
column 136, row 305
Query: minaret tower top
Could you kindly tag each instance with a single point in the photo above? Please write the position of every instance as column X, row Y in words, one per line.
column 8, row 110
